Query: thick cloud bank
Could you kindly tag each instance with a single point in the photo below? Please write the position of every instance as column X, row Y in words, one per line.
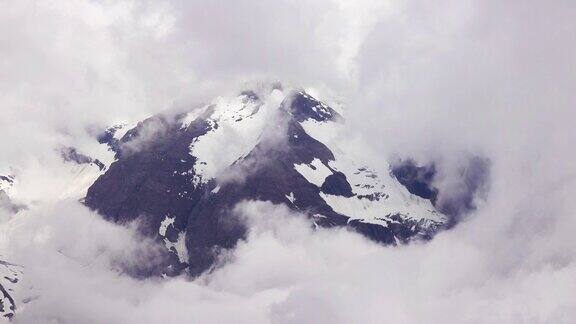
column 435, row 82
column 288, row 272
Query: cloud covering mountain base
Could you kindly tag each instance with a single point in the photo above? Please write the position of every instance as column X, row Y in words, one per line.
column 429, row 81
column 286, row 271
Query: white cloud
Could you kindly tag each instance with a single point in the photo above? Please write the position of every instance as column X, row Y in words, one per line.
column 425, row 80
column 288, row 272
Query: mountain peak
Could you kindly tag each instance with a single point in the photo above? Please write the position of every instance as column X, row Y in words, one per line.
column 182, row 175
column 303, row 107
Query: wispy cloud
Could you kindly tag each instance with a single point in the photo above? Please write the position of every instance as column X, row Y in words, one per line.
column 433, row 82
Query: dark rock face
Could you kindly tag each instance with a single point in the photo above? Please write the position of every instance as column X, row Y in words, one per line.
column 154, row 182
column 70, row 154
column 211, row 225
column 303, row 107
column 8, row 179
column 336, row 184
column 417, row 179
column 399, row 231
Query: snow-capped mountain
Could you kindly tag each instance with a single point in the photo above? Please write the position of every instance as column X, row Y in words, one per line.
column 180, row 175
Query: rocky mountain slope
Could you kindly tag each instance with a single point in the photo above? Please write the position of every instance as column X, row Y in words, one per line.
column 180, row 175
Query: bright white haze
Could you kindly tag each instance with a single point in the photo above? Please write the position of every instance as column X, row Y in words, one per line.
column 430, row 80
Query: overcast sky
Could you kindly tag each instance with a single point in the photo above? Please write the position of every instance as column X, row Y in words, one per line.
column 436, row 81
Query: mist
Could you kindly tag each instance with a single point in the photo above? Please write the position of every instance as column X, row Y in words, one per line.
column 436, row 83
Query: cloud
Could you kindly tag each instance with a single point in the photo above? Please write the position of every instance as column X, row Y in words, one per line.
column 96, row 64
column 436, row 83
column 286, row 271
column 145, row 134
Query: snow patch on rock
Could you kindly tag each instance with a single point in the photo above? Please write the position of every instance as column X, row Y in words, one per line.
column 192, row 116
column 236, row 126
column 291, row 197
column 315, row 172
column 164, row 225
column 377, row 195
column 178, row 247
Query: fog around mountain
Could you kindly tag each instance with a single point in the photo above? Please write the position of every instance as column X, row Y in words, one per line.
column 434, row 82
